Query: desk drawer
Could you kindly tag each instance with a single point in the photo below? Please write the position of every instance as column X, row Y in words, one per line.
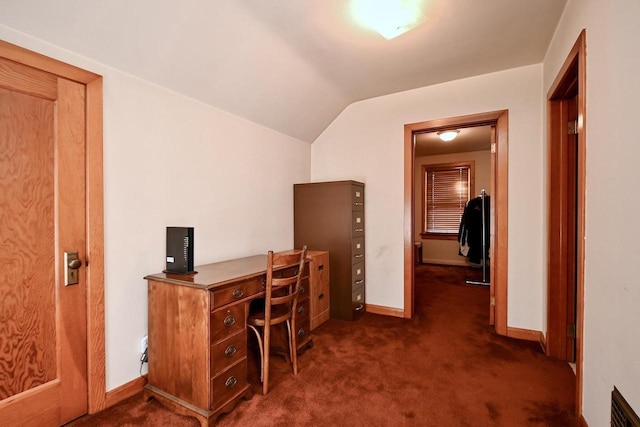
column 227, row 321
column 227, row 352
column 303, row 310
column 236, row 292
column 227, row 384
column 303, row 331
column 304, row 290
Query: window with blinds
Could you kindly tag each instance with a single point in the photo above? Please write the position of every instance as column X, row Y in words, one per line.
column 447, row 189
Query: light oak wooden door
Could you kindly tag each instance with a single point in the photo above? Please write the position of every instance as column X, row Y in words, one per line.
column 43, row 339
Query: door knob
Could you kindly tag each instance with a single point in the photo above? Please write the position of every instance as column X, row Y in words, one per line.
column 75, row 264
column 71, row 266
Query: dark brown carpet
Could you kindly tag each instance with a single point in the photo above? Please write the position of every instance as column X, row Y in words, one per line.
column 444, row 367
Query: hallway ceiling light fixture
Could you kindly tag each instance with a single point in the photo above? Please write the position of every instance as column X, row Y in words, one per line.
column 390, row 18
column 448, row 135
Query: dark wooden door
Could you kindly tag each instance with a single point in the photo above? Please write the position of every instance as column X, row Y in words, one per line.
column 43, row 354
column 571, row 229
column 491, row 278
column 563, row 227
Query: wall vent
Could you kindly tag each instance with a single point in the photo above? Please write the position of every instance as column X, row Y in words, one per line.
column 622, row 415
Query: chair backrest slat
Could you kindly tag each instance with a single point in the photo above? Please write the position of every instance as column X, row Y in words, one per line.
column 284, row 275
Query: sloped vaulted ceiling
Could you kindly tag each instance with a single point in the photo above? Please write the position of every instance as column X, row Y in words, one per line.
column 290, row 65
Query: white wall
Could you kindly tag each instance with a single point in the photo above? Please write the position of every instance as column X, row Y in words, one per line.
column 365, row 143
column 169, row 160
column 441, row 251
column 612, row 293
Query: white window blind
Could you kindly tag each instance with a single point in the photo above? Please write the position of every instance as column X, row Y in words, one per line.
column 447, row 192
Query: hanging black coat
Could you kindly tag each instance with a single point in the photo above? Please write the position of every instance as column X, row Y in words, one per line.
column 470, row 232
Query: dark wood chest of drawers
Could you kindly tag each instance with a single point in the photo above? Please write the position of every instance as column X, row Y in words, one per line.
column 330, row 216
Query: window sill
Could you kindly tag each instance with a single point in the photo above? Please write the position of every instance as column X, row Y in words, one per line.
column 439, row 236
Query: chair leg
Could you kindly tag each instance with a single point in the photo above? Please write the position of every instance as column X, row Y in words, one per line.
column 293, row 344
column 288, row 322
column 265, row 363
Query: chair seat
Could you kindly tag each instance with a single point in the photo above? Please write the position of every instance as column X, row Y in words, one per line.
column 279, row 314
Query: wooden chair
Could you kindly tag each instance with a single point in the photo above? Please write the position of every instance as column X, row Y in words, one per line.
column 280, row 305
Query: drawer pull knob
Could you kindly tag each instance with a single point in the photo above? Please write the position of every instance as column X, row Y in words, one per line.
column 300, row 310
column 238, row 293
column 302, row 290
column 229, row 321
column 231, row 382
column 359, row 255
column 359, row 230
column 301, row 332
column 230, row 351
column 359, row 308
column 358, row 282
column 358, row 203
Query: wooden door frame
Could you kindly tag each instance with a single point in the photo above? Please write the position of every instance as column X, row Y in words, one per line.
column 499, row 201
column 96, row 371
column 573, row 71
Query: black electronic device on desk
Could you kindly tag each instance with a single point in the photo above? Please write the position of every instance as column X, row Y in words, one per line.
column 180, row 250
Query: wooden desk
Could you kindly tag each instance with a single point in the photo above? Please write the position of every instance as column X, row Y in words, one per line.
column 198, row 335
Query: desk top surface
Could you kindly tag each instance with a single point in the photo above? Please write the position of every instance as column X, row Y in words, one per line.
column 208, row 276
column 217, row 274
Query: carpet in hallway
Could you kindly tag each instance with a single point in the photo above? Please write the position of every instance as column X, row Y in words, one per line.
column 444, row 367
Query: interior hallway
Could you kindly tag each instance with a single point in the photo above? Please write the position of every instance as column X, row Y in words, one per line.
column 443, row 367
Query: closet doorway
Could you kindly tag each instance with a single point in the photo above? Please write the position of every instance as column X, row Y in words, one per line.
column 566, row 124
column 495, row 124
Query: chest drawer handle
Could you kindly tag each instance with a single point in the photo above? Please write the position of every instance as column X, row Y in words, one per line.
column 300, row 310
column 359, row 230
column 359, row 255
column 359, row 281
column 231, row 382
column 359, row 308
column 301, row 332
column 358, row 203
column 238, row 293
column 229, row 321
column 230, row 351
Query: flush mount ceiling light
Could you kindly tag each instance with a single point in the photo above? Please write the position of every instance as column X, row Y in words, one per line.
column 448, row 135
column 390, row 18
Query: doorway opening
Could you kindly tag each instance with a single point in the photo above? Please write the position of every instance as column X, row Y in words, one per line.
column 448, row 175
column 498, row 185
